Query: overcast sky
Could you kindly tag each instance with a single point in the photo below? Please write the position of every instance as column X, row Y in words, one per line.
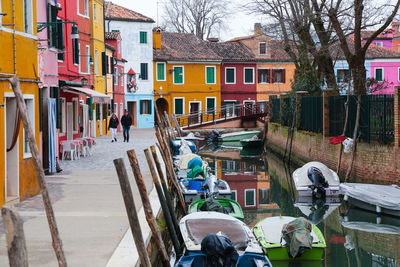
column 240, row 23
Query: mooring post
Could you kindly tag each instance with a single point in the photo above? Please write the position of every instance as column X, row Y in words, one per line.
column 131, row 212
column 15, row 237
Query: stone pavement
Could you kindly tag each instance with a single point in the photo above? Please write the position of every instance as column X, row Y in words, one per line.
column 88, row 205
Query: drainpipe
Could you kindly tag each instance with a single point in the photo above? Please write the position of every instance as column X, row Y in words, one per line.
column 14, row 41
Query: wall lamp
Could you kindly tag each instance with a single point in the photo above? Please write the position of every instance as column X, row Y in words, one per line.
column 43, row 25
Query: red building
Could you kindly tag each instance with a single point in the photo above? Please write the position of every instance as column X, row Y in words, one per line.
column 113, row 39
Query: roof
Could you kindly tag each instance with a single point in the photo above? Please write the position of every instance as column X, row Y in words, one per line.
column 277, row 51
column 373, row 51
column 184, row 47
column 110, row 47
column 231, row 51
column 111, row 35
column 117, row 12
column 382, row 35
column 245, row 37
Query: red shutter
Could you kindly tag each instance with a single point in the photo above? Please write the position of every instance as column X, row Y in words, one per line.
column 259, row 75
column 272, row 76
column 283, row 76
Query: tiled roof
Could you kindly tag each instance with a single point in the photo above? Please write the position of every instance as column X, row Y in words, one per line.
column 277, row 51
column 367, row 34
column 116, row 12
column 231, row 51
column 373, row 51
column 183, row 46
column 111, row 35
column 244, row 38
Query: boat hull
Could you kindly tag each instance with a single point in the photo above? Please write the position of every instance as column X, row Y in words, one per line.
column 249, row 143
column 330, row 191
column 237, row 211
column 373, row 208
column 281, row 253
column 237, row 136
column 198, row 193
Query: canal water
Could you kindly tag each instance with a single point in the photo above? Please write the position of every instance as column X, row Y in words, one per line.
column 263, row 187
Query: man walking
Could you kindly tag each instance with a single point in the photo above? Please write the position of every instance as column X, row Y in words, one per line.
column 112, row 126
column 126, row 122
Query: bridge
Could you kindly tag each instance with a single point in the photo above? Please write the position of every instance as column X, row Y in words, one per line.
column 247, row 114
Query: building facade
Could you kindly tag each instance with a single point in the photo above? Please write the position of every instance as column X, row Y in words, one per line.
column 137, row 49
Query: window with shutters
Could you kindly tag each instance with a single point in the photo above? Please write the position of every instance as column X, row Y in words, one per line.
column 143, row 37
column 278, row 76
column 60, row 39
column 230, row 75
column 104, row 106
column 122, row 77
column 160, row 69
column 262, row 48
column 145, row 107
column 234, row 195
column 98, row 112
column 210, row 102
column 28, row 16
column 115, row 76
column 178, row 72
column 104, row 63
column 342, row 75
column 63, row 116
column 264, row 76
column 75, row 107
column 179, row 105
column 95, row 11
column 87, row 54
column 263, row 194
column 144, row 71
column 86, row 8
column 75, row 51
column 30, row 108
column 250, row 197
column 248, row 75
column 210, row 74
column 53, row 27
column 379, row 74
column 96, row 62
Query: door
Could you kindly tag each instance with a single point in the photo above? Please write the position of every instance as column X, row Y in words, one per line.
column 52, row 134
column 70, row 121
column 12, row 159
column 84, row 120
column 248, row 107
column 194, row 110
column 230, row 108
column 132, row 111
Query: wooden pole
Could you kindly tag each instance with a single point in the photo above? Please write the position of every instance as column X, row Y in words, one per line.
column 13, row 224
column 166, row 193
column 57, row 243
column 131, row 212
column 177, row 126
column 355, row 139
column 346, row 121
column 147, row 208
column 163, row 202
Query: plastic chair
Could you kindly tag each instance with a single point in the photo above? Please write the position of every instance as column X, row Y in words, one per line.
column 70, row 148
column 86, row 149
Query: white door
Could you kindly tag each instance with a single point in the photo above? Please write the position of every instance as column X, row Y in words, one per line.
column 70, row 121
column 12, row 159
column 230, row 108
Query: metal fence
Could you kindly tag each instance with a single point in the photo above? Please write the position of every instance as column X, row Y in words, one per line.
column 311, row 115
column 276, row 110
column 376, row 119
column 287, row 111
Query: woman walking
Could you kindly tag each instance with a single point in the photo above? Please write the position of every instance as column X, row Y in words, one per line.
column 112, row 126
column 126, row 122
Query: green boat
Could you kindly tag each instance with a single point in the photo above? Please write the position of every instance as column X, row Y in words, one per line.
column 231, row 205
column 269, row 233
column 251, row 143
column 237, row 136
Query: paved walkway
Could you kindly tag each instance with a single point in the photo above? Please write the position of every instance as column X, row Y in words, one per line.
column 88, row 204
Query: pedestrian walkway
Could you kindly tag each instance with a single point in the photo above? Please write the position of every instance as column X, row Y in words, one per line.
column 88, row 205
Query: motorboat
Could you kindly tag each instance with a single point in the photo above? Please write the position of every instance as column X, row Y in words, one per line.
column 318, row 210
column 270, row 232
column 252, row 143
column 228, row 205
column 382, row 199
column 177, row 146
column 197, row 226
column 237, row 136
column 316, row 179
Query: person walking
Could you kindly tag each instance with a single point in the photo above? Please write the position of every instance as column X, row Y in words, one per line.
column 126, row 122
column 112, row 126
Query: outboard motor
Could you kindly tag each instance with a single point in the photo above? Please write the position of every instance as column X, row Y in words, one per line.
column 213, row 137
column 318, row 182
column 219, row 250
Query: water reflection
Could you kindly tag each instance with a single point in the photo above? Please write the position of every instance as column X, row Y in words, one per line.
column 263, row 187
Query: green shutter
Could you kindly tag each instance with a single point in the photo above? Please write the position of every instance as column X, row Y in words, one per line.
column 141, row 106
column 41, row 109
column 379, row 74
column 248, row 76
column 210, row 75
column 178, row 106
column 210, row 104
column 143, row 37
column 178, row 75
column 249, row 198
column 230, row 76
column 150, row 107
column 89, row 103
column 160, row 72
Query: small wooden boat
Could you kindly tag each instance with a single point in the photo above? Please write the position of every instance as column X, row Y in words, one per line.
column 231, row 206
column 196, row 226
column 237, row 136
column 306, row 187
column 382, row 199
column 269, row 233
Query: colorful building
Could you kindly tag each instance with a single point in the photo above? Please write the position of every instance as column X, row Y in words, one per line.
column 18, row 57
column 187, row 72
column 137, row 48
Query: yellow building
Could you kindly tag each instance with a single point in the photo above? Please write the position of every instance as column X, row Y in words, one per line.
column 18, row 57
column 97, row 52
column 186, row 74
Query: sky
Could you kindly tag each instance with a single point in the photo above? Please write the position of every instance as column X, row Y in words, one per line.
column 240, row 23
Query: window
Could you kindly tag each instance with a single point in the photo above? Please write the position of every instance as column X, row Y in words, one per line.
column 63, row 125
column 60, row 39
column 210, row 103
column 379, row 43
column 264, row 75
column 342, row 75
column 248, row 75
column 230, row 75
column 75, row 52
column 121, row 109
column 119, row 47
column 122, row 77
column 87, row 59
column 96, row 63
column 263, row 194
column 250, row 197
column 144, row 71
column 52, row 30
column 95, row 12
column 262, row 48
column 278, row 76
column 160, row 71
column 145, row 107
column 77, row 4
column 31, row 114
column 104, row 106
column 210, row 75
column 115, row 76
column 75, row 106
column 179, row 105
column 143, row 37
column 115, row 109
column 28, row 16
column 234, row 195
column 178, row 75
column 98, row 112
column 101, row 15
column 87, row 8
column 379, row 74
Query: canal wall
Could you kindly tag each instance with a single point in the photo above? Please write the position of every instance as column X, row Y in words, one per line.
column 373, row 163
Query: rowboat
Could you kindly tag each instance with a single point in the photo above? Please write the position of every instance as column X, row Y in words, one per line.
column 237, row 136
column 382, row 199
column 326, row 184
column 269, row 233
column 196, row 226
column 231, row 206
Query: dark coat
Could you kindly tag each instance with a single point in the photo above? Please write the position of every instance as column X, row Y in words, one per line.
column 126, row 120
column 113, row 123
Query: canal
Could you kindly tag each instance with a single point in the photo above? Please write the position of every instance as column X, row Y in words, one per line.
column 262, row 186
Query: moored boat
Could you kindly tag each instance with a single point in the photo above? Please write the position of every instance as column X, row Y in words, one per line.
column 230, row 206
column 269, row 233
column 176, row 145
column 237, row 136
column 251, row 143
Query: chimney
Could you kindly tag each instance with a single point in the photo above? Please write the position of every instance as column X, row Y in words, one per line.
column 213, row 40
column 157, row 38
column 257, row 28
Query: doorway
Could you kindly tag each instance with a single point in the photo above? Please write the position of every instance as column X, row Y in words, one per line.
column 162, row 107
column 70, row 121
column 132, row 109
column 248, row 107
column 12, row 157
column 194, row 110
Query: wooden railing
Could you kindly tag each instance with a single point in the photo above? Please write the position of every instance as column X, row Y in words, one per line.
column 225, row 113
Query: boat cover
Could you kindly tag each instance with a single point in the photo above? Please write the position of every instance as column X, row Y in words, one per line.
column 297, row 235
column 211, row 204
column 219, row 250
column 195, row 172
column 185, row 159
column 384, row 196
column 372, row 227
column 300, row 176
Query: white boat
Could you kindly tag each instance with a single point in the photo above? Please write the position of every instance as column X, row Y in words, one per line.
column 317, row 212
column 237, row 136
column 383, row 199
column 304, row 185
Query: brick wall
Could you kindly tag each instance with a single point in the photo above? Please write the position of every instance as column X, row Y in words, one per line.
column 372, row 164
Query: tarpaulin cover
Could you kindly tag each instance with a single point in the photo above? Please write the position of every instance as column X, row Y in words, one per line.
column 195, row 172
column 385, row 196
column 297, row 235
column 195, row 162
column 184, row 161
column 219, row 250
column 337, row 139
column 211, row 204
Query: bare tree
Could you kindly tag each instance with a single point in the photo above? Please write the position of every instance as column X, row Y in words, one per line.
column 200, row 17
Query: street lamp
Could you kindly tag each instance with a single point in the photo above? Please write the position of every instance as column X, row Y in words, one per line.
column 74, row 32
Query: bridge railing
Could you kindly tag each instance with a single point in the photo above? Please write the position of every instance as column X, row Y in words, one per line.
column 224, row 113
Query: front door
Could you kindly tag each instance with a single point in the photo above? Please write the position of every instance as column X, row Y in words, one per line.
column 194, row 110
column 248, row 107
column 12, row 159
column 70, row 121
column 230, row 108
column 132, row 109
